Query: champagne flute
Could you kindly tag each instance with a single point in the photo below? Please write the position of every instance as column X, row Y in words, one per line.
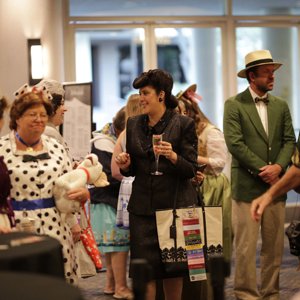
column 156, row 139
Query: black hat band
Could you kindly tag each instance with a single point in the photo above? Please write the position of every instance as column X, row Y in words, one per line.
column 259, row 61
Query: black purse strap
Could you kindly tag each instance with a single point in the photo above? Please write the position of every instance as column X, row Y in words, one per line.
column 173, row 232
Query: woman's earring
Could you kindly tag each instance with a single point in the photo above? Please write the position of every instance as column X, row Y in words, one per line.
column 160, row 99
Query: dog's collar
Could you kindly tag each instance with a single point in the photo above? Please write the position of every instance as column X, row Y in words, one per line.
column 86, row 172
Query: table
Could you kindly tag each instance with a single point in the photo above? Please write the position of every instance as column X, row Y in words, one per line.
column 22, row 251
column 29, row 286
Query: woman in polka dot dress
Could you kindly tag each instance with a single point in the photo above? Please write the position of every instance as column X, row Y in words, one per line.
column 34, row 162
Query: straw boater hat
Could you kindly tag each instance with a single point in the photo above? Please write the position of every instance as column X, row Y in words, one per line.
column 258, row 58
column 192, row 87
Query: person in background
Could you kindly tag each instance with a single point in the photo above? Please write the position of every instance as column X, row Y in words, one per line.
column 34, row 161
column 113, row 241
column 132, row 108
column 56, row 119
column 259, row 134
column 290, row 180
column 57, row 92
column 7, row 221
column 212, row 152
column 177, row 162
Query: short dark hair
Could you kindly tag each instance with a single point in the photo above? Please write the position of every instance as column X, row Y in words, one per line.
column 57, row 101
column 253, row 70
column 160, row 80
column 25, row 102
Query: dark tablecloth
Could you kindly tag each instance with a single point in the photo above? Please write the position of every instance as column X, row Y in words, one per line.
column 21, row 251
column 29, row 286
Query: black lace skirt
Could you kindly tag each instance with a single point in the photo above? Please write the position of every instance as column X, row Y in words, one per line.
column 144, row 244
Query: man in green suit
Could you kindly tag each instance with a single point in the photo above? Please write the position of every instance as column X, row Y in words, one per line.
column 259, row 134
column 290, row 180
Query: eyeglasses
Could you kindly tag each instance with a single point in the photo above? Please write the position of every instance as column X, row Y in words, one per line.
column 35, row 116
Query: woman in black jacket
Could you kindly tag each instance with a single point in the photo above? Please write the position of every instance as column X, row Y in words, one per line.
column 178, row 156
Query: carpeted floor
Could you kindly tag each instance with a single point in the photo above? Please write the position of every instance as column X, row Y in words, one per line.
column 92, row 288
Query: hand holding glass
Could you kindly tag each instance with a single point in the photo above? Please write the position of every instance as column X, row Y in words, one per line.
column 156, row 139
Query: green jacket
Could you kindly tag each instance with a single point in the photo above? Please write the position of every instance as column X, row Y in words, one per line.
column 250, row 146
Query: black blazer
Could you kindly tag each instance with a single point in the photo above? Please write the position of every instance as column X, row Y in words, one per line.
column 149, row 192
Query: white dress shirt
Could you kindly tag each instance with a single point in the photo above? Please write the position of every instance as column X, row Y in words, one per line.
column 261, row 109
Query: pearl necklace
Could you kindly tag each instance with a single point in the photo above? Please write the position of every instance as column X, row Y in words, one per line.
column 29, row 146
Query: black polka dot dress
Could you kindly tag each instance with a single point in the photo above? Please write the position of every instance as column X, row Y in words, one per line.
column 32, row 180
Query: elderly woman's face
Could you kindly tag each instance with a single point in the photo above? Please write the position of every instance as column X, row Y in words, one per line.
column 34, row 119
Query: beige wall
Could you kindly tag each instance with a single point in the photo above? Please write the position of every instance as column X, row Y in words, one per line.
column 19, row 21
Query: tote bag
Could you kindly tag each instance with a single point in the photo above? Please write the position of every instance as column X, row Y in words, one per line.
column 86, row 267
column 88, row 240
column 171, row 238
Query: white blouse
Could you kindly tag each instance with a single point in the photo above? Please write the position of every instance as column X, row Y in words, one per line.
column 217, row 152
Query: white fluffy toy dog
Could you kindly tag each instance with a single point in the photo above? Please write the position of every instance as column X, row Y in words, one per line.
column 89, row 171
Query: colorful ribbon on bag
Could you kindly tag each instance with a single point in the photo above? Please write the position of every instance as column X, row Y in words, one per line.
column 194, row 246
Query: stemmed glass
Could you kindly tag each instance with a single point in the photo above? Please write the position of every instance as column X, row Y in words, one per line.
column 156, row 139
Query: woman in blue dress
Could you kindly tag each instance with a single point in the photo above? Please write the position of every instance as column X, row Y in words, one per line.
column 112, row 241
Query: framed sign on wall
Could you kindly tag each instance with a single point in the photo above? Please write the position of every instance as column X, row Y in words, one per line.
column 77, row 125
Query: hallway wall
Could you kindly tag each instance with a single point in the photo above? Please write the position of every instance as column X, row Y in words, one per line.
column 21, row 20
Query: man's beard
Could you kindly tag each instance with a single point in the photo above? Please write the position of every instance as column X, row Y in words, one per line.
column 264, row 88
